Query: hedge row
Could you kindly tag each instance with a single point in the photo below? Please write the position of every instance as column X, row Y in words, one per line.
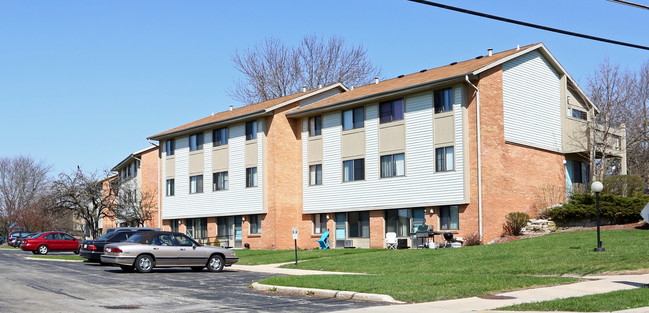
column 616, row 209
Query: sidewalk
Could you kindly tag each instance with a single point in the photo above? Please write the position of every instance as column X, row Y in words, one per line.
column 595, row 284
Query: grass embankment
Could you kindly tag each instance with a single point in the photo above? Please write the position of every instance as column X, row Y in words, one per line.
column 429, row 275
column 59, row 257
column 605, row 302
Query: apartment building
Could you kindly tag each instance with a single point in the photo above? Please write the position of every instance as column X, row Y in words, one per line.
column 138, row 176
column 457, row 147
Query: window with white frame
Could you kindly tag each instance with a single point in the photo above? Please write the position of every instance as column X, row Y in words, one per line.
column 251, row 130
column 196, row 142
column 171, row 188
column 220, row 181
column 170, row 147
column 358, row 224
column 393, row 165
column 391, row 111
column 251, row 177
column 315, row 174
column 255, row 224
column 449, row 217
column 220, row 137
column 354, row 170
column 315, row 125
column 196, row 184
column 443, row 100
column 319, row 223
column 353, row 118
column 579, row 114
column 444, row 159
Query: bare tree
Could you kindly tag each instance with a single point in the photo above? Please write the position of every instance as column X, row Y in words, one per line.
column 272, row 69
column 86, row 196
column 134, row 205
column 612, row 91
column 24, row 184
column 638, row 127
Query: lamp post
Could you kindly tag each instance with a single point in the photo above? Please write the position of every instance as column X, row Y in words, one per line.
column 597, row 187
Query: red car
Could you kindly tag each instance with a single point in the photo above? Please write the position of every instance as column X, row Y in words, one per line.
column 51, row 241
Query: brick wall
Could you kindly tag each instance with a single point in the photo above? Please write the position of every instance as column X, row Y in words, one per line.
column 150, row 174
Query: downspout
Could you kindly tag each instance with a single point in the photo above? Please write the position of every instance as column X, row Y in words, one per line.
column 479, row 155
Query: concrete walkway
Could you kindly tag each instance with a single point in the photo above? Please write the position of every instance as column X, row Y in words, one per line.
column 593, row 285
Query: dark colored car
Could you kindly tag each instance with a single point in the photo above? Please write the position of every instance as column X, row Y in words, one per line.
column 93, row 249
column 147, row 250
column 13, row 237
column 51, row 241
column 20, row 240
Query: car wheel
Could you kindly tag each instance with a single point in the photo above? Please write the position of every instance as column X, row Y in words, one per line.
column 42, row 249
column 215, row 263
column 144, row 263
column 197, row 268
column 76, row 251
column 126, row 268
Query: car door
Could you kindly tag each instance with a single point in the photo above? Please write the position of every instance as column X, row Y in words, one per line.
column 189, row 253
column 68, row 242
column 164, row 250
column 52, row 241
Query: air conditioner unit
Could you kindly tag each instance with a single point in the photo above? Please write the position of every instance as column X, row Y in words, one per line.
column 340, row 243
column 349, row 244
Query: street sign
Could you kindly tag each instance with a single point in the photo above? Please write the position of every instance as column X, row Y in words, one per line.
column 294, row 233
column 645, row 213
column 295, row 240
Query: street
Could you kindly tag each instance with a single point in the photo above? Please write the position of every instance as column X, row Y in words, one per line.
column 54, row 286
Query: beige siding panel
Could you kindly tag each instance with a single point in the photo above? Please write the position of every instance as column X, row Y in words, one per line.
column 220, row 159
column 170, row 167
column 353, row 143
column 444, row 130
column 315, row 150
column 392, row 137
column 251, row 155
column 196, row 162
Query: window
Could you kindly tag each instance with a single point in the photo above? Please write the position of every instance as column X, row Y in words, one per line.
column 391, row 111
column 580, row 172
column 354, row 170
column 255, row 224
column 319, row 223
column 443, row 100
column 220, row 137
column 171, row 187
column 353, row 118
column 398, row 221
column 251, row 130
column 196, row 142
column 315, row 174
column 315, row 126
column 449, row 217
column 359, row 224
column 444, row 159
column 220, row 181
column 175, row 225
column 393, row 165
column 251, row 177
column 170, row 146
column 196, row 184
column 196, row 227
column 579, row 114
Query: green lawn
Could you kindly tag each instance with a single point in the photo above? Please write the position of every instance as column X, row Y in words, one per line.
column 7, row 247
column 429, row 275
column 59, row 257
column 606, row 302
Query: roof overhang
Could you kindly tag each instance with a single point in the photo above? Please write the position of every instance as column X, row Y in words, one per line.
column 377, row 96
column 133, row 156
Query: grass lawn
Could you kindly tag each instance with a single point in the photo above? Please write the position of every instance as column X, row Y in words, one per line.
column 8, row 247
column 429, row 275
column 605, row 302
column 59, row 257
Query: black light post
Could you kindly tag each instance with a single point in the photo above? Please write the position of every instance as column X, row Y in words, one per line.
column 597, row 187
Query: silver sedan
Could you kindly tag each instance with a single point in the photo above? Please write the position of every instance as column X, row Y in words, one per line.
column 147, row 250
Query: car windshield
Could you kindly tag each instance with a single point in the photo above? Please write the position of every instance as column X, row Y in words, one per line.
column 135, row 238
column 105, row 236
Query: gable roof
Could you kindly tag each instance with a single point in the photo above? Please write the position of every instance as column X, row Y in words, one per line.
column 242, row 113
column 133, row 156
column 427, row 78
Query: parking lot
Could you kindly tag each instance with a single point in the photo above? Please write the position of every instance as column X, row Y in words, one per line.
column 54, row 286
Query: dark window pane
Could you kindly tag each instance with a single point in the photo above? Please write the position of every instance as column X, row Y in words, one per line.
column 397, row 110
column 359, row 169
column 359, row 117
column 385, row 111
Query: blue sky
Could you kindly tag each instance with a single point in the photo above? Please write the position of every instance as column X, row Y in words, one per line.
column 86, row 82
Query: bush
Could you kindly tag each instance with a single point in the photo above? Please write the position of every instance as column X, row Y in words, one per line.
column 473, row 240
column 623, row 185
column 613, row 208
column 515, row 222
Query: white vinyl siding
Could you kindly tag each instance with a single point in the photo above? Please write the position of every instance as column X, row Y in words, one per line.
column 237, row 200
column 421, row 186
column 532, row 102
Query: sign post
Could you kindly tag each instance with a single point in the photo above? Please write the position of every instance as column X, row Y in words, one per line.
column 295, row 239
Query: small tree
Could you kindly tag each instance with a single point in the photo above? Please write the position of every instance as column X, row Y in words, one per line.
column 515, row 222
column 134, row 205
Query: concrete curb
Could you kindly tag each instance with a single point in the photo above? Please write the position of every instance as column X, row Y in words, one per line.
column 55, row 260
column 325, row 293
